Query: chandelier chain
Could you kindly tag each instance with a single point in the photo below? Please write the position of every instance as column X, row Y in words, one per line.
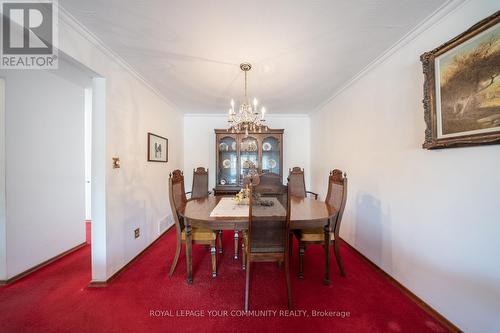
column 248, row 117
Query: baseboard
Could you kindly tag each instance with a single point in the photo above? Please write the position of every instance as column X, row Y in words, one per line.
column 426, row 307
column 43, row 264
column 101, row 284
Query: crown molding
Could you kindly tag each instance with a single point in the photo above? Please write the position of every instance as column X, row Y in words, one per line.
column 67, row 18
column 287, row 115
column 224, row 115
column 439, row 14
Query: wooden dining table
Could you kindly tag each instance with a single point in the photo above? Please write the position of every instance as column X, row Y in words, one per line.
column 305, row 213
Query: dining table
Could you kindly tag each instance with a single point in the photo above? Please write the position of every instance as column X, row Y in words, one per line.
column 305, row 213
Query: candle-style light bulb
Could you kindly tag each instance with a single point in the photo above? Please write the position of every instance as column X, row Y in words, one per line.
column 263, row 111
column 255, row 102
column 232, row 103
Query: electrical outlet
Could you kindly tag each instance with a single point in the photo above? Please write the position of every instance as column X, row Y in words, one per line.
column 137, row 232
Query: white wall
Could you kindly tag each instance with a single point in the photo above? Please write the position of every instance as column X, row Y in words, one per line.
column 44, row 167
column 199, row 143
column 3, row 239
column 88, row 152
column 431, row 219
column 98, row 181
column 136, row 194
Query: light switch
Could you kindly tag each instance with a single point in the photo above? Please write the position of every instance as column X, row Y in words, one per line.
column 116, row 162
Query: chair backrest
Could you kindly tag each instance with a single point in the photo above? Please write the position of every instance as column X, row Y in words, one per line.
column 177, row 196
column 269, row 224
column 296, row 182
column 268, row 184
column 200, row 183
column 337, row 196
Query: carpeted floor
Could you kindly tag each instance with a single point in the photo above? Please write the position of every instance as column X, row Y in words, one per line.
column 144, row 299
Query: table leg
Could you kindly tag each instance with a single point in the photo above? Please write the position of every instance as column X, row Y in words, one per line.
column 213, row 253
column 236, row 244
column 220, row 241
column 244, row 251
column 189, row 256
column 327, row 253
column 302, row 250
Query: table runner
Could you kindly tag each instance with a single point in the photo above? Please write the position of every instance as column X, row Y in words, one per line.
column 227, row 207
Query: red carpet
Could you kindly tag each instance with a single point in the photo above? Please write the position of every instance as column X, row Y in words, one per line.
column 56, row 298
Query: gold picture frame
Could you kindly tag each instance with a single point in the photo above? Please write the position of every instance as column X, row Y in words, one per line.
column 462, row 88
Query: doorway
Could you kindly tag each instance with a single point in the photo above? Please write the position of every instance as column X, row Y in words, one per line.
column 48, row 171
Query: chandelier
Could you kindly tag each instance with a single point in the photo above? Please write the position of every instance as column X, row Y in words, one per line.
column 248, row 117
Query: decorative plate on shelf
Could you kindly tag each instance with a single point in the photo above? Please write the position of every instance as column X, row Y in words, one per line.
column 266, row 146
column 272, row 164
column 223, row 146
column 226, row 164
column 252, row 146
column 248, row 146
column 233, row 145
column 247, row 164
column 223, row 181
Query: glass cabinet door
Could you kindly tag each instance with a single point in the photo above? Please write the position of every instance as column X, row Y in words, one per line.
column 228, row 158
column 249, row 156
column 271, row 155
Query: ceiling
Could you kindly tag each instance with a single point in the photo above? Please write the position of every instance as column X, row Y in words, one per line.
column 302, row 51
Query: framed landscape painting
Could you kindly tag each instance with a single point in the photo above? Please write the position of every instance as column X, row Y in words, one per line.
column 462, row 88
column 157, row 148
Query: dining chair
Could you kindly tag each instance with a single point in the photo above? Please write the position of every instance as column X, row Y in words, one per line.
column 336, row 198
column 264, row 184
column 178, row 199
column 200, row 190
column 200, row 183
column 268, row 183
column 267, row 237
column 297, row 183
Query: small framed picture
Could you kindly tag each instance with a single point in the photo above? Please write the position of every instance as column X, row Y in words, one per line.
column 157, row 148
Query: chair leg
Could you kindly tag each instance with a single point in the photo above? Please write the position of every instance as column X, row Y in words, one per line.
column 213, row 252
column 338, row 258
column 176, row 256
column 220, row 242
column 236, row 243
column 327, row 255
column 288, row 283
column 302, row 249
column 247, row 282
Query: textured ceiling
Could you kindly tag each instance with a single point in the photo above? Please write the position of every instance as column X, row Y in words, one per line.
column 302, row 51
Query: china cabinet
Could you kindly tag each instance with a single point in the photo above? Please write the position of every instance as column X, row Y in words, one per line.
column 237, row 155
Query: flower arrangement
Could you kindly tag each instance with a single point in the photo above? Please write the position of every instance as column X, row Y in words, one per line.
column 243, row 197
